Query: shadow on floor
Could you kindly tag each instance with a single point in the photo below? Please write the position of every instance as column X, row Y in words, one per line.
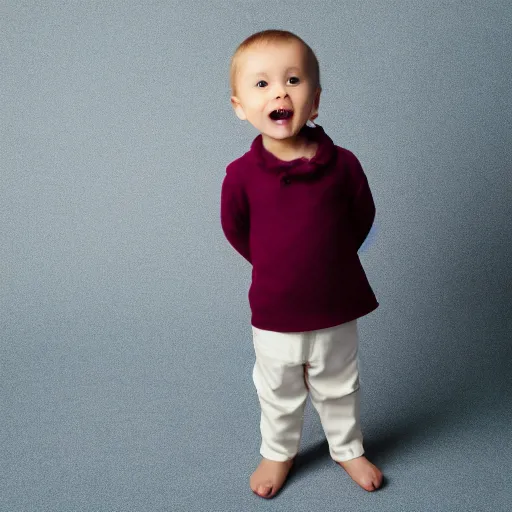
column 406, row 433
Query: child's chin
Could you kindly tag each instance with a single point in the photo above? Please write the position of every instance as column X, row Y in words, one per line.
column 278, row 136
column 279, row 132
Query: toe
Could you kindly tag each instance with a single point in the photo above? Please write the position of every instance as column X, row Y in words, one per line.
column 264, row 490
column 374, row 483
column 368, row 486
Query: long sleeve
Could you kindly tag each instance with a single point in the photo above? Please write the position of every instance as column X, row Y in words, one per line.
column 234, row 213
column 362, row 208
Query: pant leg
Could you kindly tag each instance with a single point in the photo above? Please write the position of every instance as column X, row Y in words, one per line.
column 333, row 379
column 279, row 379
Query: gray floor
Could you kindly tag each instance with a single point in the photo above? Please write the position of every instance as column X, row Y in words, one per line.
column 135, row 419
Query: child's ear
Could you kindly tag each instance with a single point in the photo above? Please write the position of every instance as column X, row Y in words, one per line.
column 239, row 111
column 316, row 104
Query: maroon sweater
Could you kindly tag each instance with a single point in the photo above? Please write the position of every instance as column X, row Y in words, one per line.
column 300, row 225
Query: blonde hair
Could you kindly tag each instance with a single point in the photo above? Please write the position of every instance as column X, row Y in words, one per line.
column 272, row 36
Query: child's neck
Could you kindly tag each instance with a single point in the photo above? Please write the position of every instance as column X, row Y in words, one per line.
column 291, row 148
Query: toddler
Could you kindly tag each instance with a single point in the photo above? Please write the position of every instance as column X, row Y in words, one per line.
column 298, row 208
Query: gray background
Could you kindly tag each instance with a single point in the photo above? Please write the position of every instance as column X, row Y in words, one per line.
column 126, row 350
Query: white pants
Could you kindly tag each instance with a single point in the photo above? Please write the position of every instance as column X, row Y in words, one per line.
column 333, row 380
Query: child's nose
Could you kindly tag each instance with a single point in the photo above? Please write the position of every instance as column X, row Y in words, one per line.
column 280, row 91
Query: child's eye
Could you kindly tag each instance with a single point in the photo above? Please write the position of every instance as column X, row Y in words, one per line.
column 294, row 80
column 261, row 82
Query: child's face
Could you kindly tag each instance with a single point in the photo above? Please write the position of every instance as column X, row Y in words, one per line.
column 272, row 77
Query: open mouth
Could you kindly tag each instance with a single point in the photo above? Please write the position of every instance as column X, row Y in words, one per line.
column 280, row 114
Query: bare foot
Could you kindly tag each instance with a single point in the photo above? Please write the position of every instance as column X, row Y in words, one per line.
column 269, row 477
column 363, row 472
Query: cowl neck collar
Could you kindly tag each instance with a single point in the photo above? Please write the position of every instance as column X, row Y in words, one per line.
column 324, row 153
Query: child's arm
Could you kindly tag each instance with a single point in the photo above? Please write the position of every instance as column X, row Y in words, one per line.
column 234, row 213
column 362, row 210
